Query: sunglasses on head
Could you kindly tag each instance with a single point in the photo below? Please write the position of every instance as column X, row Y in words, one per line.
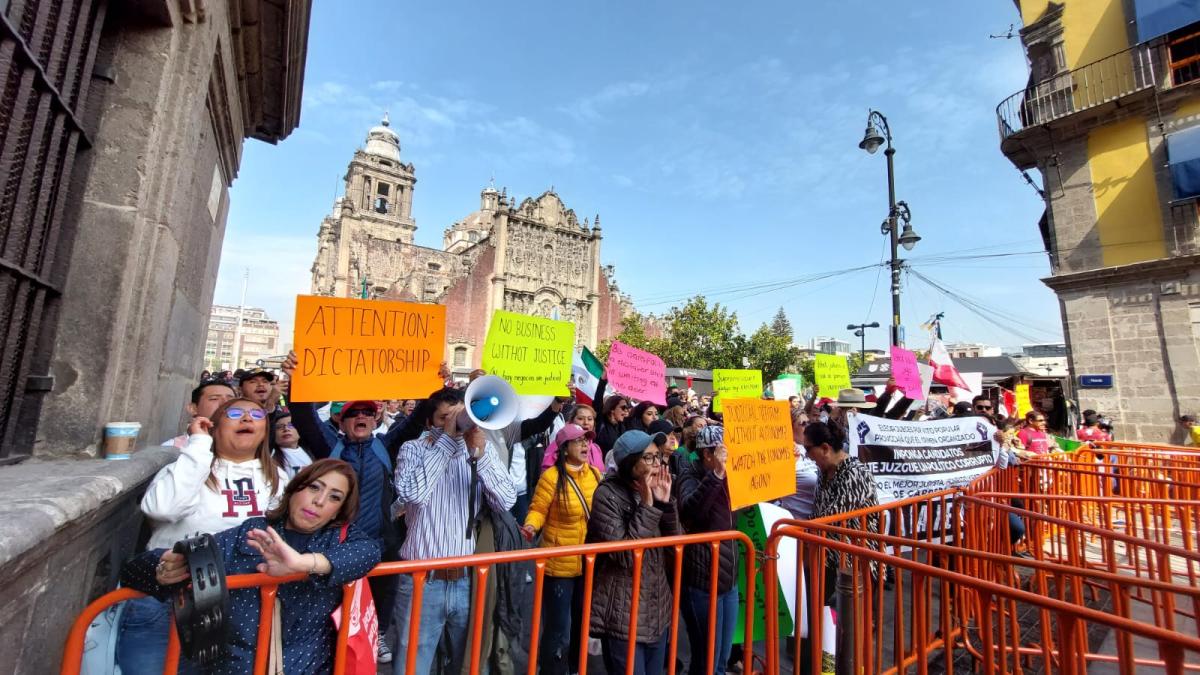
column 238, row 413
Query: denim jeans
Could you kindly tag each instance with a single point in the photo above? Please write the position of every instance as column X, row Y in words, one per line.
column 1016, row 528
column 562, row 615
column 445, row 608
column 142, row 643
column 694, row 607
column 648, row 659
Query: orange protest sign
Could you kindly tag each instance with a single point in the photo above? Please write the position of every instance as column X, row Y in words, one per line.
column 366, row 349
column 762, row 461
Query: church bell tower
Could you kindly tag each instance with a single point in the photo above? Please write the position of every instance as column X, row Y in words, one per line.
column 379, row 187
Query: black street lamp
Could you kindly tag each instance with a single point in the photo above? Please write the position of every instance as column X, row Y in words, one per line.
column 860, row 331
column 872, row 140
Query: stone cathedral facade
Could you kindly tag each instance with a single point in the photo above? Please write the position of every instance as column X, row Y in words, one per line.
column 533, row 258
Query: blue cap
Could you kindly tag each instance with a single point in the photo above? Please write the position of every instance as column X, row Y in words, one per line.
column 631, row 443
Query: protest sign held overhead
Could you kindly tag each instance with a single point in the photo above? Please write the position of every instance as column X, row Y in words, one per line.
column 636, row 373
column 372, row 349
column 908, row 376
column 832, row 374
column 762, row 461
column 533, row 354
column 782, row 390
column 909, row 459
column 730, row 383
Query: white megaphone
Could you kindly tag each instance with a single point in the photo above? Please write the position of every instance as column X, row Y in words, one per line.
column 491, row 404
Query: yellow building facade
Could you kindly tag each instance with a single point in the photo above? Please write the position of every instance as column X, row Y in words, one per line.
column 1110, row 118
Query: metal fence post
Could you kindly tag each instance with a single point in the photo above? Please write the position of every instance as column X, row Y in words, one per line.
column 847, row 594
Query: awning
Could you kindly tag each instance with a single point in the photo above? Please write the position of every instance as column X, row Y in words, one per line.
column 1183, row 154
column 1159, row 17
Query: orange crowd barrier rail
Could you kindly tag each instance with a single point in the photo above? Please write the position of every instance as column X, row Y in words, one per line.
column 482, row 565
column 1004, row 613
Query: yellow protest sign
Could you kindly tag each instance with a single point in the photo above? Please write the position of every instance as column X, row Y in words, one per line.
column 832, row 373
column 762, row 461
column 1024, row 404
column 532, row 353
column 366, row 349
column 730, row 383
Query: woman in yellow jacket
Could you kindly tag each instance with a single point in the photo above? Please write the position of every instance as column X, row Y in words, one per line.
column 560, row 510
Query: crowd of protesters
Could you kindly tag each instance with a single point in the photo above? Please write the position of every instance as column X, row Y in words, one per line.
column 332, row 489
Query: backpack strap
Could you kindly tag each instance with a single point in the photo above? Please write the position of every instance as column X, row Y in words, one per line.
column 587, row 513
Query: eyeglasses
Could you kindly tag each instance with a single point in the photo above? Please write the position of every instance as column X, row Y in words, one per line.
column 286, row 425
column 622, row 407
column 357, row 412
column 255, row 414
column 654, row 458
column 1039, row 419
column 983, row 407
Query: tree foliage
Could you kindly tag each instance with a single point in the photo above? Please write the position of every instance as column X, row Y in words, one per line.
column 771, row 352
column 781, row 326
column 707, row 336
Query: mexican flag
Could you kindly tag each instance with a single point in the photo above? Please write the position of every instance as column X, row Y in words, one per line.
column 1067, row 444
column 586, row 371
column 756, row 522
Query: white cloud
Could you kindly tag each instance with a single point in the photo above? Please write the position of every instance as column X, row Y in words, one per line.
column 590, row 108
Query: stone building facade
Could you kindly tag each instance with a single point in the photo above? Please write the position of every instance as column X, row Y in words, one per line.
column 533, row 258
column 121, row 129
column 1111, row 120
column 240, row 337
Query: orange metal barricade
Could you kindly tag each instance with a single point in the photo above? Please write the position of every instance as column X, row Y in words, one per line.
column 980, row 598
column 482, row 564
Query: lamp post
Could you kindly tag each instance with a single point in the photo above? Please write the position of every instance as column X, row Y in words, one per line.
column 860, row 331
column 872, row 140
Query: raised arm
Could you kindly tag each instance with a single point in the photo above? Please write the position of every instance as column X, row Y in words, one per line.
column 178, row 488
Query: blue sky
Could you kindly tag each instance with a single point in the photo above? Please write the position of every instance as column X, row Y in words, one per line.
column 718, row 144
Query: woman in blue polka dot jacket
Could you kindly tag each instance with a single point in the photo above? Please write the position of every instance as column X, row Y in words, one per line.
column 302, row 534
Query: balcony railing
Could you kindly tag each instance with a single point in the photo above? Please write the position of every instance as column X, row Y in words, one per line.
column 1136, row 69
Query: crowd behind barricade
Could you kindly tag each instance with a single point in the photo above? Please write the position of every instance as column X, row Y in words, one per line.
column 329, row 490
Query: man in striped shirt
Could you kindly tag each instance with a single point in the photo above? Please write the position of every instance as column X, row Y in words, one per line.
column 442, row 478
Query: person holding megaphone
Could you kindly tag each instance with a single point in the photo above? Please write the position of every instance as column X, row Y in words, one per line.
column 442, row 479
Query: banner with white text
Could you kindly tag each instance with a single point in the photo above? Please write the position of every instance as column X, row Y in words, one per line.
column 909, row 459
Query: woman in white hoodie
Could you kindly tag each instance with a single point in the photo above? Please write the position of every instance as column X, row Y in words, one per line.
column 224, row 475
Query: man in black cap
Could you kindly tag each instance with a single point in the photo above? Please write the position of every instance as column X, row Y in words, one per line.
column 258, row 385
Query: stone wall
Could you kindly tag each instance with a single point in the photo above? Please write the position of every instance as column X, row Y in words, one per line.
column 168, row 121
column 1136, row 324
column 468, row 308
column 65, row 529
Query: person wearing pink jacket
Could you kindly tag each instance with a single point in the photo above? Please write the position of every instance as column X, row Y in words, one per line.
column 585, row 417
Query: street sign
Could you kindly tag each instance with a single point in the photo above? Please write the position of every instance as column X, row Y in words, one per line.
column 1095, row 381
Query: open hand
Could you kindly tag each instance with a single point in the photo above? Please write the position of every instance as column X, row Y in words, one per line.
column 281, row 559
column 643, row 487
column 660, row 485
column 172, row 568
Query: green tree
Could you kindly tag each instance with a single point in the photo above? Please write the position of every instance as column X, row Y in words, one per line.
column 701, row 336
column 771, row 352
column 633, row 333
column 781, row 326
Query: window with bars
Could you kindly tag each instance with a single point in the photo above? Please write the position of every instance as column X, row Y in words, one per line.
column 47, row 53
column 1183, row 51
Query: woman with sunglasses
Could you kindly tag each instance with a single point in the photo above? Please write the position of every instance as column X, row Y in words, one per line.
column 633, row 502
column 224, row 475
column 308, row 532
column 613, row 422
